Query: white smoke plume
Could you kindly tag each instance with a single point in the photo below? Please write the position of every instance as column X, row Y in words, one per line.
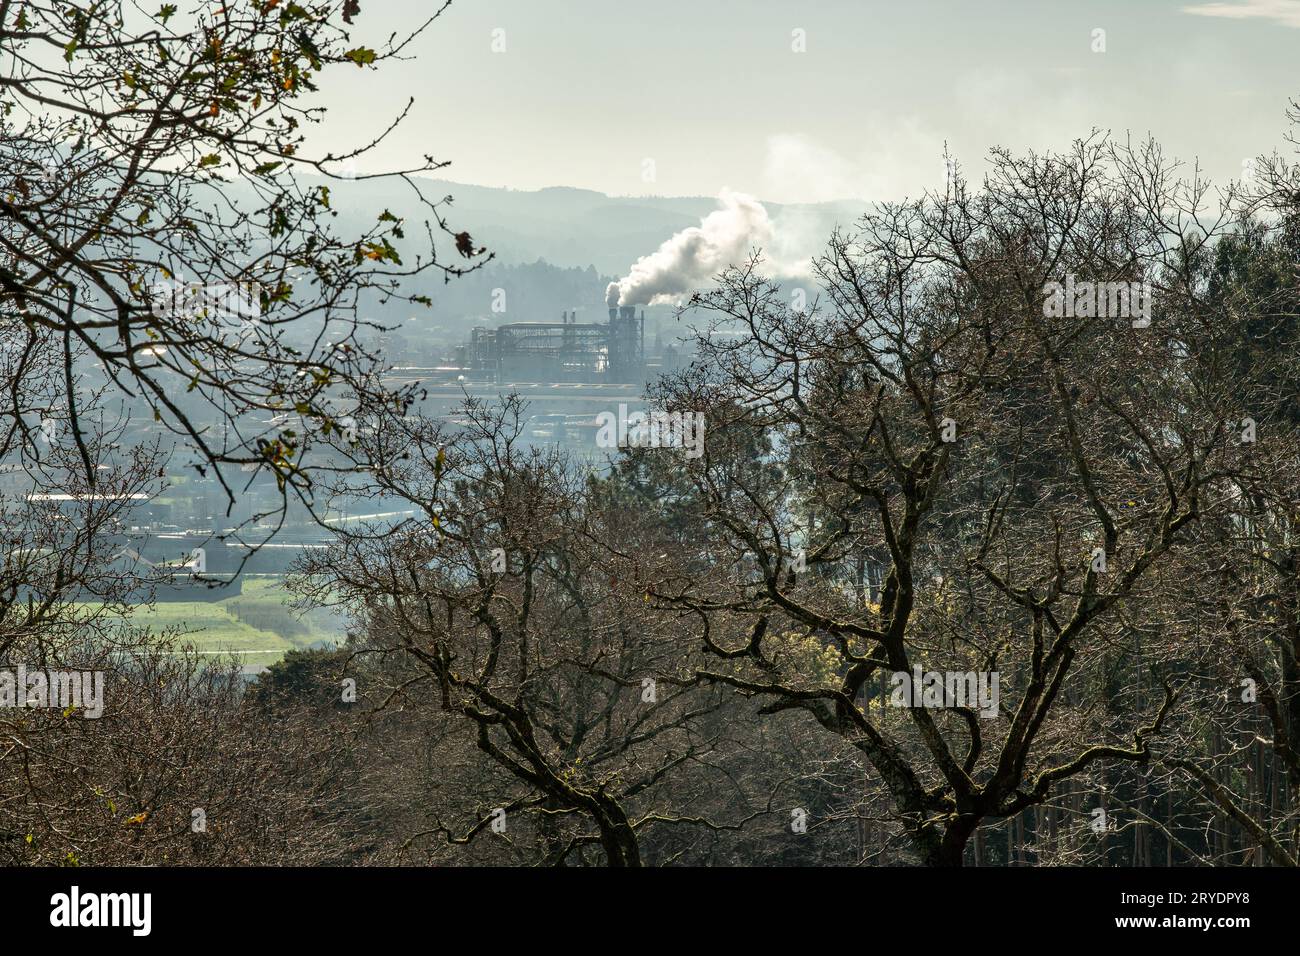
column 695, row 255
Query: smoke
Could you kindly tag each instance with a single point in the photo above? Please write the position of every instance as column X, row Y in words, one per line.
column 695, row 255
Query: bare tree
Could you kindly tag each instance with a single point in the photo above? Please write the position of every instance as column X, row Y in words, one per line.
column 155, row 217
column 496, row 615
column 1024, row 473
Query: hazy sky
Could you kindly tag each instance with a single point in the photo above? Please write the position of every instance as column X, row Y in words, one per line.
column 713, row 93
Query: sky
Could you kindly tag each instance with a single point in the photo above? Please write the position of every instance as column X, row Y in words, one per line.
column 809, row 100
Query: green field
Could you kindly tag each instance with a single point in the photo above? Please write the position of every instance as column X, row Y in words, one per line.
column 258, row 625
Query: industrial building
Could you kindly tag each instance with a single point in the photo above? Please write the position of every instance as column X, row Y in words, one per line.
column 565, row 351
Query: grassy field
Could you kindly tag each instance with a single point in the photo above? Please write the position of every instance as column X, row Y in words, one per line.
column 257, row 625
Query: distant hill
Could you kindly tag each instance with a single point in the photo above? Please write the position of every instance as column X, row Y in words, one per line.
column 556, row 248
column 576, row 228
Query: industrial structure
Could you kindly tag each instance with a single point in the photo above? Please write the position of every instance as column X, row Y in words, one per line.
column 565, row 351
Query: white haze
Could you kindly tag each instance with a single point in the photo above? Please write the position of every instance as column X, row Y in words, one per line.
column 692, row 257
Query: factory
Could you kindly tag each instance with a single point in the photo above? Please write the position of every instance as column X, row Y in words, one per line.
column 564, row 351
